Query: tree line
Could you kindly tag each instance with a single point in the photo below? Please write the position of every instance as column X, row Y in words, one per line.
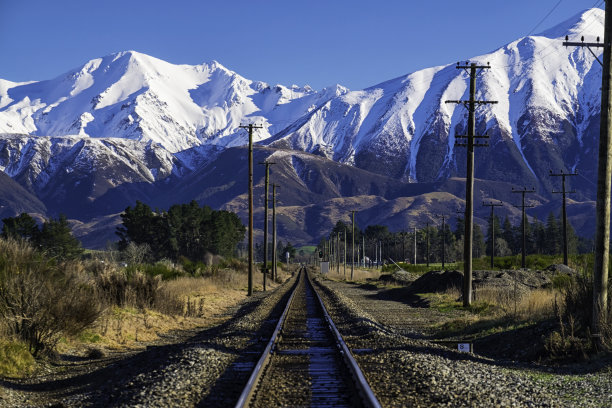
column 184, row 230
column 53, row 236
column 541, row 238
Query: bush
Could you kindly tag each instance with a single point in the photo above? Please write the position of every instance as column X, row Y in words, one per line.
column 575, row 315
column 193, row 268
column 128, row 287
column 39, row 300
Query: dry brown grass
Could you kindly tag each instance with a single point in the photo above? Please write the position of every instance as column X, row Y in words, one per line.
column 536, row 304
column 181, row 304
column 359, row 274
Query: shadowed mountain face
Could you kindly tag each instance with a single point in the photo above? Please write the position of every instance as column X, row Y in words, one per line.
column 130, row 127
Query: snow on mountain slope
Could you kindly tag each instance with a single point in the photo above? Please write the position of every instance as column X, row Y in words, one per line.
column 135, row 96
column 548, row 102
column 127, row 126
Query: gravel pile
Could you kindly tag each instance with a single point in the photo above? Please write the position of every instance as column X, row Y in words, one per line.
column 405, row 370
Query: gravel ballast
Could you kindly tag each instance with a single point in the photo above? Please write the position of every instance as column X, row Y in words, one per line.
column 404, row 369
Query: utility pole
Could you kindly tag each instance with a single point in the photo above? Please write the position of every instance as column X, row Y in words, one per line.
column 604, row 190
column 264, row 268
column 474, row 70
column 443, row 238
column 250, row 128
column 353, row 244
column 274, row 249
column 363, row 245
column 415, row 245
column 564, row 211
column 427, row 243
column 493, row 205
column 338, row 251
column 524, row 222
column 345, row 253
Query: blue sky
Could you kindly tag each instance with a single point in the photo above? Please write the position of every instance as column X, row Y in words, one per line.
column 355, row 43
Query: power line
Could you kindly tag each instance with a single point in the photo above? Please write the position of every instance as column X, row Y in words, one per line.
column 544, row 18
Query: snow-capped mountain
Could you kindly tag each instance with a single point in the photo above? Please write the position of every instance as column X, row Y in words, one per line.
column 129, row 126
column 134, row 96
column 547, row 114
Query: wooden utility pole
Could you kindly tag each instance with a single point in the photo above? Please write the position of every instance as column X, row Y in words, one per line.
column 353, row 244
column 604, row 173
column 604, row 177
column 427, row 243
column 564, row 211
column 443, row 238
column 524, row 221
column 264, row 267
column 345, row 253
column 474, row 70
column 493, row 205
column 364, row 252
column 415, row 239
column 338, row 251
column 274, row 249
column 250, row 260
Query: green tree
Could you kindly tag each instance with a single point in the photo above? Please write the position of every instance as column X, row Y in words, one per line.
column 56, row 239
column 508, row 233
column 290, row 249
column 478, row 242
column 376, row 232
column 20, row 227
column 185, row 230
column 554, row 236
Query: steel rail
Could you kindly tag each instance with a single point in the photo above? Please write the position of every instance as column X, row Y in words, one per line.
column 361, row 383
column 248, row 390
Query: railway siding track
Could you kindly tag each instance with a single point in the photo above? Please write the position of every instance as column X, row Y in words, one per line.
column 306, row 361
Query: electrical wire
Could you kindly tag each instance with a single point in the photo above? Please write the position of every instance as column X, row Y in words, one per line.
column 544, row 18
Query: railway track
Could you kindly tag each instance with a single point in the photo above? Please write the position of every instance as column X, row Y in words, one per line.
column 306, row 362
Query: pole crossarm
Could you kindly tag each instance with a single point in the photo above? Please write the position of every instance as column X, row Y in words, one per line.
column 470, row 102
column 588, row 45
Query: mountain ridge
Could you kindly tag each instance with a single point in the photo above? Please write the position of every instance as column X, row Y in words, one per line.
column 129, row 126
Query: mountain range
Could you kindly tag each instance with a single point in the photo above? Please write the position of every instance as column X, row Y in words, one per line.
column 129, row 127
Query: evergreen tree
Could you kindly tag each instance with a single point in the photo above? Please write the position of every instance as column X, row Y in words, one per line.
column 554, row 236
column 478, row 242
column 56, row 239
column 572, row 239
column 508, row 234
column 20, row 227
column 540, row 240
column 184, row 230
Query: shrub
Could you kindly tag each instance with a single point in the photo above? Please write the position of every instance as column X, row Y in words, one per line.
column 575, row 314
column 128, row 287
column 193, row 268
column 39, row 300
